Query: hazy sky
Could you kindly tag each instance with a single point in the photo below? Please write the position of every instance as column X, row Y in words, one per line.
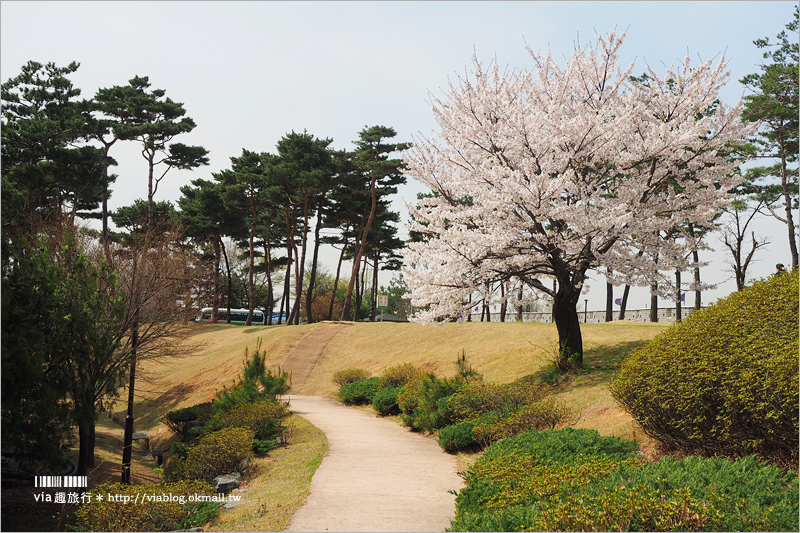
column 250, row 72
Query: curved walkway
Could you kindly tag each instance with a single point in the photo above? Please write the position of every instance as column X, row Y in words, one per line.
column 376, row 476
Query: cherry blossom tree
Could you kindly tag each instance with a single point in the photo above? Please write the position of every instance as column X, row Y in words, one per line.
column 547, row 174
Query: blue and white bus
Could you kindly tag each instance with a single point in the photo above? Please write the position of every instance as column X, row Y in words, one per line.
column 238, row 316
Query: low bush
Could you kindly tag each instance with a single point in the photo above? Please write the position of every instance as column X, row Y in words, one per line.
column 262, row 417
column 399, row 375
column 479, row 397
column 349, row 375
column 178, row 420
column 359, row 392
column 165, row 515
column 458, row 437
column 540, row 415
column 408, row 399
column 431, row 410
column 724, row 381
column 575, row 480
column 217, row 453
column 385, row 401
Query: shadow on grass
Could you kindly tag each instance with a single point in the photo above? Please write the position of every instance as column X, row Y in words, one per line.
column 600, row 364
column 147, row 411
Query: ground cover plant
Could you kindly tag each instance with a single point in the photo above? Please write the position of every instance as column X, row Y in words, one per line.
column 725, row 380
column 576, row 480
column 158, row 514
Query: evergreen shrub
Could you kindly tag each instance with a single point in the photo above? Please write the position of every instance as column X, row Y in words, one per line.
column 725, row 380
column 178, row 419
column 359, row 392
column 385, row 401
column 458, row 437
column 431, row 410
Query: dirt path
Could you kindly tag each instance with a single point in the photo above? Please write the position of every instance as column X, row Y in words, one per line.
column 305, row 354
column 376, row 476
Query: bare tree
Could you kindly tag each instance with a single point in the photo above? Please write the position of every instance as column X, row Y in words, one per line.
column 734, row 236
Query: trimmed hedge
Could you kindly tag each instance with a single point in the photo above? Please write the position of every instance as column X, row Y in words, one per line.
column 725, row 380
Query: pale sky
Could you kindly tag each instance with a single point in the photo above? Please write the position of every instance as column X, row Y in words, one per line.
column 250, row 72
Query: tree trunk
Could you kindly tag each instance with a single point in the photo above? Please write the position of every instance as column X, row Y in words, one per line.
column 787, row 200
column 698, row 294
column 678, row 306
column 565, row 314
column 83, row 448
column 519, row 303
column 313, row 277
column 90, row 462
column 127, row 441
column 300, row 266
column 270, row 289
column 215, row 297
column 360, row 245
column 609, row 301
column 230, row 283
column 373, row 307
column 504, row 305
column 336, row 281
column 624, row 303
column 251, row 265
column 654, row 302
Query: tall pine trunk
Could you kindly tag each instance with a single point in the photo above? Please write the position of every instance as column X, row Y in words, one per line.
column 315, row 256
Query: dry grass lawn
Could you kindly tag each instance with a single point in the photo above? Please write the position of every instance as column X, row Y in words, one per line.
column 500, row 351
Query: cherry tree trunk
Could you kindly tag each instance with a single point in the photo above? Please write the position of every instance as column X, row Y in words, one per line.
column 565, row 315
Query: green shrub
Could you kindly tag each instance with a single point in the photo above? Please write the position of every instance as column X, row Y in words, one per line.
column 724, row 381
column 431, row 411
column 108, row 515
column 399, row 375
column 479, row 397
column 575, row 480
column 178, row 449
column 408, row 399
column 262, row 417
column 385, row 401
column 359, row 392
column 543, row 414
column 178, row 419
column 217, row 453
column 458, row 437
column 349, row 375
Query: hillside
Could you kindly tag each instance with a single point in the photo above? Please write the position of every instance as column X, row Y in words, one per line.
column 500, row 351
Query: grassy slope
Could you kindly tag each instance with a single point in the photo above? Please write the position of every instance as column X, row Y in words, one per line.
column 500, row 351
